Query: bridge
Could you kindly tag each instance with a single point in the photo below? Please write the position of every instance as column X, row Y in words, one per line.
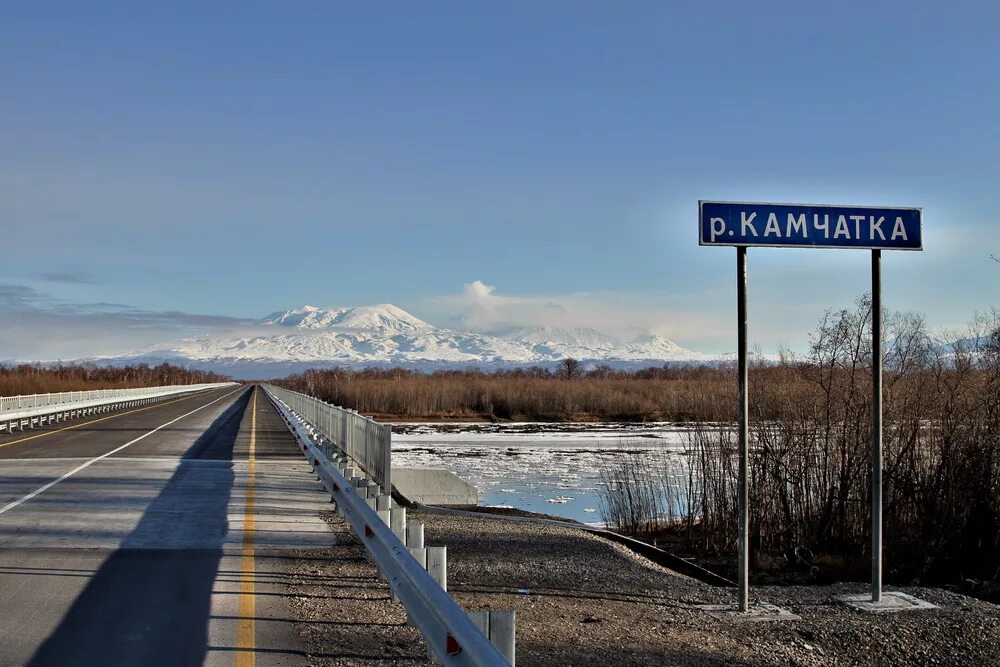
column 159, row 527
column 231, row 524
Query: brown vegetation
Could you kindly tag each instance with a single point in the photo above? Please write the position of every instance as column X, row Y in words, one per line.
column 810, row 443
column 44, row 379
column 533, row 394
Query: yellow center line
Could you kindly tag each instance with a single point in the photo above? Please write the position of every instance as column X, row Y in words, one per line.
column 246, row 641
column 94, row 421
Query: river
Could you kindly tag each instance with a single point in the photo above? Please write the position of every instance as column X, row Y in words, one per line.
column 553, row 468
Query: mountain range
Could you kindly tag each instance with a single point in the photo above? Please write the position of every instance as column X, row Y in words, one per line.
column 385, row 335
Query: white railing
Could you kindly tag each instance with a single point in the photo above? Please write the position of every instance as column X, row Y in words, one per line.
column 18, row 411
column 366, row 441
column 453, row 639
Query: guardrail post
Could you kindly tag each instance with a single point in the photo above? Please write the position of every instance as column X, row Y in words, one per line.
column 481, row 619
column 415, row 536
column 384, row 503
column 387, row 458
column 384, row 516
column 437, row 565
column 502, row 633
column 420, row 555
column 398, row 523
column 498, row 627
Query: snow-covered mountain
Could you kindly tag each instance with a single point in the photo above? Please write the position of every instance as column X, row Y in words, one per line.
column 384, row 318
column 548, row 335
column 385, row 335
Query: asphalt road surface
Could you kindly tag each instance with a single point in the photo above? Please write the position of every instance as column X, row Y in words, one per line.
column 155, row 535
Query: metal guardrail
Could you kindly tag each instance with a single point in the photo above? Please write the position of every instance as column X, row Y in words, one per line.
column 26, row 410
column 452, row 637
column 366, row 441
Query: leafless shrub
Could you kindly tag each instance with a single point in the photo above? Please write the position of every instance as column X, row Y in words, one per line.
column 810, row 452
column 631, row 499
column 642, row 489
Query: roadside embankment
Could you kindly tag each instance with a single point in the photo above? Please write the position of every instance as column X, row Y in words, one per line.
column 581, row 599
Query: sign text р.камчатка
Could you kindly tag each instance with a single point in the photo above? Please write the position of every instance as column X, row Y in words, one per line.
column 808, row 225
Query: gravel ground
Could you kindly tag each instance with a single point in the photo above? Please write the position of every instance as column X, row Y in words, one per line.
column 582, row 600
column 342, row 609
column 593, row 602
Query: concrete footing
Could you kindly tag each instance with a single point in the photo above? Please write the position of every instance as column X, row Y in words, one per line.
column 759, row 611
column 890, row 603
column 433, row 486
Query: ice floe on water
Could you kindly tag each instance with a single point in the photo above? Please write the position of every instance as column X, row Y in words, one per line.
column 548, row 468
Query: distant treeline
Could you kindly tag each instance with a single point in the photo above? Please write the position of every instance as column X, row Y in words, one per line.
column 45, row 378
column 677, row 393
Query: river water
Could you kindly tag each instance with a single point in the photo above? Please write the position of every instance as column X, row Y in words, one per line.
column 552, row 468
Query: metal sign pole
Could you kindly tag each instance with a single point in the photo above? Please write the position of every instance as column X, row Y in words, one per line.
column 762, row 224
column 743, row 495
column 876, row 426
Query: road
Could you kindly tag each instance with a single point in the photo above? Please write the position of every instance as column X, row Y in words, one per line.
column 155, row 535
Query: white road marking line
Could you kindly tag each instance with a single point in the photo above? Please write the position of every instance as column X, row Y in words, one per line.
column 46, row 487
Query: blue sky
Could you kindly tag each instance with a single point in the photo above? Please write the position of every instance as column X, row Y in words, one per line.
column 186, row 164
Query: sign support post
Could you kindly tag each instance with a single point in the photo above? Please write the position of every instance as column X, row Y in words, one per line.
column 758, row 224
column 744, row 453
column 876, row 426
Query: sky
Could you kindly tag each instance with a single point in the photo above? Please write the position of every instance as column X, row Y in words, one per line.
column 176, row 168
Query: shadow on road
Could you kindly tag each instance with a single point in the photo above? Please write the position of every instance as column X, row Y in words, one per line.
column 149, row 603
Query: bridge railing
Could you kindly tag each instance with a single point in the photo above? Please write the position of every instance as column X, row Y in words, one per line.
column 29, row 408
column 453, row 639
column 364, row 440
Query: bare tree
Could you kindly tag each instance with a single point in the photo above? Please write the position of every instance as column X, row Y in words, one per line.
column 569, row 368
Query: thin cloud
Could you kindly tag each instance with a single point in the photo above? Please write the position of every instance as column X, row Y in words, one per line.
column 67, row 276
column 36, row 326
column 624, row 314
column 18, row 297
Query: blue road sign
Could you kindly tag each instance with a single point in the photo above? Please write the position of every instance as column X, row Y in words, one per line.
column 808, row 225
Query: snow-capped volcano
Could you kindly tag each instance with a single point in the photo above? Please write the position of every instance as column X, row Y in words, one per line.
column 385, row 335
column 549, row 335
column 384, row 318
